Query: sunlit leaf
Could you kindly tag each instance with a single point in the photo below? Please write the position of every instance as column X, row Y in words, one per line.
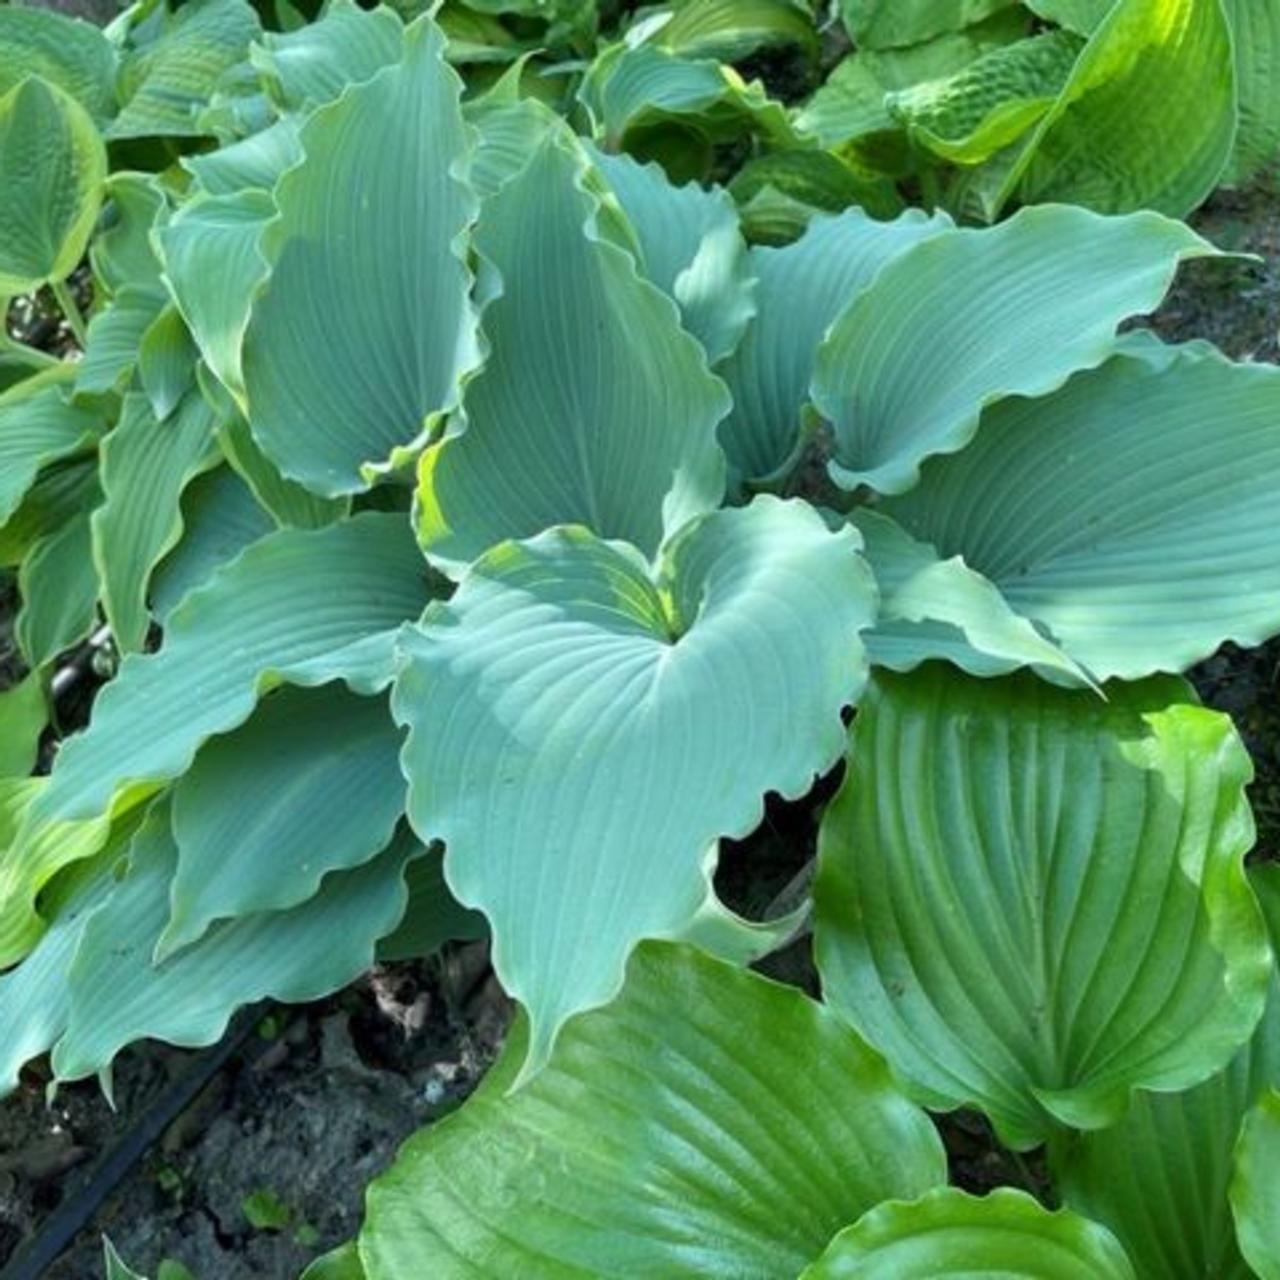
column 1255, row 29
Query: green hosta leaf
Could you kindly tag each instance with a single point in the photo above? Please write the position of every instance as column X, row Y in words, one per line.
column 947, row 1233
column 730, row 30
column 706, row 1123
column 23, row 714
column 1147, row 119
column 1080, row 16
column 1015, row 310
column 521, row 697
column 690, row 247
column 303, row 607
column 1126, row 578
column 1255, row 1187
column 935, row 608
column 309, row 785
column 119, row 996
column 880, row 24
column 145, row 467
column 167, row 82
column 59, row 589
column 968, row 117
column 593, row 407
column 1255, row 28
column 257, row 161
column 54, row 165
column 364, row 329
column 342, row 1263
column 800, row 289
column 219, row 517
column 166, row 362
column 61, row 491
column 1033, row 900
column 1160, row 1178
column 115, row 339
column 19, row 362
column 114, row 1267
column 122, row 252
column 433, row 917
column 71, row 54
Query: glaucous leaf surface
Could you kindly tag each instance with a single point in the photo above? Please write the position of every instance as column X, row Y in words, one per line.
column 1255, row 1186
column 59, row 590
column 310, row 784
column 67, row 52
column 583, row 732
column 593, row 407
column 256, row 162
column 1033, row 900
column 115, row 339
column 121, row 250
column 1163, row 543
column 54, row 165
column 1005, row 1235
column 1159, row 1179
column 302, row 607
column 364, row 329
column 977, row 315
column 654, row 1144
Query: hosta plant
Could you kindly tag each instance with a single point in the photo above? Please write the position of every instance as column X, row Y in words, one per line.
column 486, row 530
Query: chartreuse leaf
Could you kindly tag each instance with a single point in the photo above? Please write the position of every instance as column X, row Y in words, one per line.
column 364, row 329
column 690, row 247
column 1033, row 900
column 54, row 165
column 708, row 1122
column 119, row 996
column 1118, row 139
column 1159, row 1179
column 23, row 714
column 881, row 24
column 67, row 52
column 309, row 785
column 166, row 83
column 593, row 407
column 935, row 608
column 521, row 697
column 59, row 589
column 945, row 1232
column 1163, row 544
column 1255, row 28
column 303, row 607
column 977, row 315
column 1255, row 1186
column 145, row 467
column 800, row 289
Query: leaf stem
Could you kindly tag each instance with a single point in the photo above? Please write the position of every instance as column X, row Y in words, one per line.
column 71, row 312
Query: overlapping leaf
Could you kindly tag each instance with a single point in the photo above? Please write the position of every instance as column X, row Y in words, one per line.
column 1255, row 29
column 67, row 52
column 880, row 24
column 59, row 589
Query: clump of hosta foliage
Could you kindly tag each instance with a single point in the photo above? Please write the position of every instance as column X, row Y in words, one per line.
column 444, row 477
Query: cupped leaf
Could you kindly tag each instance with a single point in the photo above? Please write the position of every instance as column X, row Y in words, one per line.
column 880, row 24
column 59, row 589
column 593, row 407
column 253, row 163
column 1164, row 543
column 1255, row 1187
column 118, row 996
column 67, row 52
column 122, row 252
column 1159, row 1179
column 309, row 785
column 976, row 315
column 800, row 289
column 708, row 1122
column 303, row 607
column 364, row 330
column 563, row 680
column 1033, row 900
column 54, row 165
column 1255, row 30
column 1004, row 1235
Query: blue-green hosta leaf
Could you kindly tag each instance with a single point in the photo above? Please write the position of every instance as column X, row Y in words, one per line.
column 433, row 917
column 59, row 589
column 1033, row 900
column 39, row 425
column 511, row 130
column 731, row 30
column 1255, row 1187
column 309, row 785
column 54, row 165
column 115, row 338
column 935, row 608
column 145, row 467
column 18, row 362
column 72, row 54
column 364, row 329
column 301, row 607
column 977, row 315
column 61, row 491
column 119, row 996
column 166, row 361
column 1160, row 1178
column 562, row 679
column 122, row 252
column 220, row 517
column 24, row 713
column 255, row 162
column 1164, row 543
column 167, row 82
column 1120, row 136
column 1005, row 1234
column 690, row 247
column 594, row 406
column 707, row 1123
column 800, row 289
column 881, row 24
column 1255, row 28
column 314, row 64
